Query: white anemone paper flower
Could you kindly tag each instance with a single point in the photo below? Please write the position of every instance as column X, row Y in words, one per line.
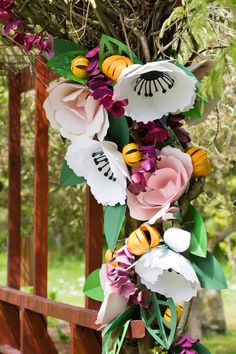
column 155, row 89
column 102, row 165
column 168, row 273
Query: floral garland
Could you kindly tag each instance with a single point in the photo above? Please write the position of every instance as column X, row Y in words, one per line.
column 124, row 120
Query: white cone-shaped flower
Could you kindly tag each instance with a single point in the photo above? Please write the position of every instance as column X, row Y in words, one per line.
column 168, row 273
column 102, row 165
column 154, row 90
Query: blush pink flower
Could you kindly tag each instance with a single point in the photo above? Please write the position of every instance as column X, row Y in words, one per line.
column 72, row 110
column 165, row 186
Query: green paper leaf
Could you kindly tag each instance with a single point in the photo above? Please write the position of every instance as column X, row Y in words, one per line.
column 198, row 244
column 62, row 46
column 118, row 131
column 209, row 272
column 111, row 46
column 113, row 220
column 68, row 177
column 201, row 349
column 195, row 112
column 61, row 64
column 121, row 319
column 92, row 287
column 165, row 331
column 114, row 340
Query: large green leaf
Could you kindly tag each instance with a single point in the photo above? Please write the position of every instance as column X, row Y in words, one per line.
column 114, row 340
column 118, row 131
column 68, row 177
column 161, row 330
column 195, row 224
column 64, row 46
column 113, row 221
column 209, row 272
column 62, row 64
column 92, row 287
column 111, row 46
column 121, row 319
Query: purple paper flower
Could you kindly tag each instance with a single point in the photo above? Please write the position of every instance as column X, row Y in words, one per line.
column 121, row 278
column 98, row 81
column 5, row 16
column 19, row 38
column 49, row 46
column 14, row 25
column 175, row 124
column 155, row 132
column 105, row 97
column 93, row 57
column 29, row 42
column 92, row 53
column 7, row 4
column 186, row 342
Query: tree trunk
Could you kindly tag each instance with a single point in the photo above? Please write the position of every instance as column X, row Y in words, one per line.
column 213, row 317
column 195, row 318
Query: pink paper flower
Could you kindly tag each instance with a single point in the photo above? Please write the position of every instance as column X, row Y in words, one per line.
column 165, row 185
column 113, row 304
column 71, row 109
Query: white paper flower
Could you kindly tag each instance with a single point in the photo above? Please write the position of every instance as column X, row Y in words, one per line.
column 102, row 165
column 74, row 112
column 113, row 303
column 154, row 90
column 177, row 239
column 168, row 273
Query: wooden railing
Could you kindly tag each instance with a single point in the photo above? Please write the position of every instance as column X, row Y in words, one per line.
column 23, row 325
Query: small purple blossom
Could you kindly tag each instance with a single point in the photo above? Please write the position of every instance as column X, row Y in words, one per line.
column 5, row 16
column 121, row 278
column 19, row 39
column 92, row 53
column 7, row 4
column 175, row 124
column 154, row 132
column 49, row 46
column 98, row 81
column 188, row 351
column 93, row 57
column 186, row 342
column 14, row 25
column 105, row 97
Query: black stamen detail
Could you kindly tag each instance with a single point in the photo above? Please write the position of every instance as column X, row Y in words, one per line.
column 102, row 162
column 164, row 80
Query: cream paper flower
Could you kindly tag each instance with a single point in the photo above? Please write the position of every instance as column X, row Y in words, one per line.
column 154, row 90
column 102, row 165
column 168, row 273
column 74, row 112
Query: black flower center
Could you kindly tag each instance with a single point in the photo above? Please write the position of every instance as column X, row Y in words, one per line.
column 103, row 165
column 153, row 81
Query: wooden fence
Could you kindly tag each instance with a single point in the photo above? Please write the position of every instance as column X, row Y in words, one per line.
column 23, row 324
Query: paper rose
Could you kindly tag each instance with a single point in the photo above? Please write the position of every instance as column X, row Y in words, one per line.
column 154, row 90
column 102, row 165
column 71, row 109
column 113, row 303
column 165, row 185
column 168, row 273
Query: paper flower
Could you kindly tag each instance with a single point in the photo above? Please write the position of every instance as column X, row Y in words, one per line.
column 71, row 109
column 102, row 165
column 186, row 342
column 177, row 239
column 165, row 185
column 154, row 90
column 168, row 273
column 154, row 132
column 113, row 303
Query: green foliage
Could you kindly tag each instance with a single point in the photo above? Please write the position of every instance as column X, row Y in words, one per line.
column 92, row 287
column 161, row 330
column 113, row 221
column 68, row 177
column 113, row 341
column 118, row 131
column 196, row 226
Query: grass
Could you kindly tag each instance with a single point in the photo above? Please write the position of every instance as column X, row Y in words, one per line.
column 65, row 284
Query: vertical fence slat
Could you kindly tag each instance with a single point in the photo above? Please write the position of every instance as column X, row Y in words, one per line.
column 41, row 181
column 84, row 341
column 93, row 240
column 14, row 197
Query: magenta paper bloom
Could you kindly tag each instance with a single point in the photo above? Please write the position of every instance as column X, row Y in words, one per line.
column 105, row 97
column 6, row 16
column 14, row 25
column 121, row 278
column 49, row 46
column 186, row 341
column 175, row 124
column 93, row 57
column 154, row 132
column 19, row 38
column 7, row 4
column 165, row 186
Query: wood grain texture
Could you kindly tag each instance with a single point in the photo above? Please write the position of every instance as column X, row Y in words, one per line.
column 10, row 325
column 34, row 336
column 14, row 196
column 84, row 341
column 93, row 240
column 41, row 181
